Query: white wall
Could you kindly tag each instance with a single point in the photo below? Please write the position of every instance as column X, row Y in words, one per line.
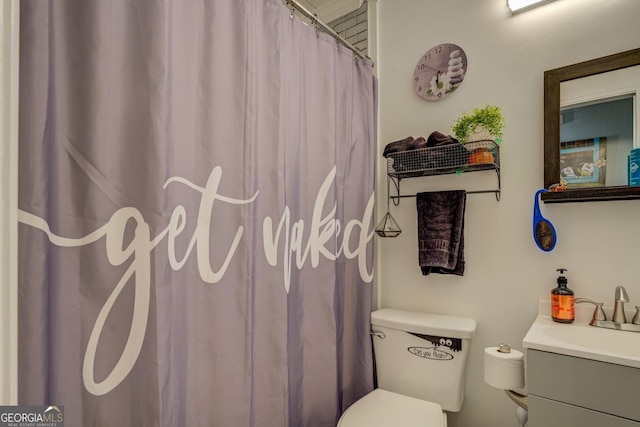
column 506, row 274
column 9, row 34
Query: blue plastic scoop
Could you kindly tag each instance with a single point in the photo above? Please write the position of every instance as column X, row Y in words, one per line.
column 544, row 234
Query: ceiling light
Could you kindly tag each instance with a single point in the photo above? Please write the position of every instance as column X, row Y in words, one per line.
column 517, row 5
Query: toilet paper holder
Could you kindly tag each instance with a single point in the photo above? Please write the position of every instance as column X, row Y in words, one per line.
column 519, row 399
column 522, row 401
column 522, row 411
column 504, row 348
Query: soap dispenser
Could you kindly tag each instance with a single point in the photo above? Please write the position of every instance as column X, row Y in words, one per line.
column 562, row 301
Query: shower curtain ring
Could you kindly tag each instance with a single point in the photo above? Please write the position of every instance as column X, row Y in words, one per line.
column 291, row 9
column 316, row 26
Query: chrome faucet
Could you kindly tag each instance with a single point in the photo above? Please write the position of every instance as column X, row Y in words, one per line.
column 598, row 314
column 619, row 320
column 618, row 309
column 636, row 317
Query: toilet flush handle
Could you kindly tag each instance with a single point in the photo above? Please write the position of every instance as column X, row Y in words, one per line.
column 378, row 334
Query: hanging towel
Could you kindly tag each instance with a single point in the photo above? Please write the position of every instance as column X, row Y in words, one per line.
column 441, row 232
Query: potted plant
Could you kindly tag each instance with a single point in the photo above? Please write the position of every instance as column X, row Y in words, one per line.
column 482, row 123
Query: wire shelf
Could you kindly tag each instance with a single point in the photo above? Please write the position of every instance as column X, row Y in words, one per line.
column 446, row 159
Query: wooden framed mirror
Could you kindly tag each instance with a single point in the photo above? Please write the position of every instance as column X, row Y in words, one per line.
column 552, row 102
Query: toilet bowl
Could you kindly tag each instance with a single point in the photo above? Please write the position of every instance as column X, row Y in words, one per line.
column 382, row 408
column 420, row 366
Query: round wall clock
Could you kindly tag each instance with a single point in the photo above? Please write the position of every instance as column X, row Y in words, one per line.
column 440, row 71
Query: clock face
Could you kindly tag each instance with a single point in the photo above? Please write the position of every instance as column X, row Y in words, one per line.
column 440, row 71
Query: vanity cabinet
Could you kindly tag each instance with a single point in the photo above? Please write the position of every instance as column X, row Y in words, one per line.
column 571, row 391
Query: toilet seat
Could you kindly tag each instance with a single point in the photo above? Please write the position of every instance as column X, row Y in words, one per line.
column 382, row 408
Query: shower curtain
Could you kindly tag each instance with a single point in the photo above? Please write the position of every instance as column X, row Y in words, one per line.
column 195, row 208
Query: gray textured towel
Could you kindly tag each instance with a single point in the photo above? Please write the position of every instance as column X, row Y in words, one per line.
column 441, row 232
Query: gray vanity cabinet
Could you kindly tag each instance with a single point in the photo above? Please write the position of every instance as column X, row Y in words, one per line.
column 567, row 391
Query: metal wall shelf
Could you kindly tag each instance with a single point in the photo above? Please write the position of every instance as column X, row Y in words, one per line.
column 447, row 159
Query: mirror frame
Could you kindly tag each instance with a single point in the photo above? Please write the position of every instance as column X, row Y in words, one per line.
column 552, row 80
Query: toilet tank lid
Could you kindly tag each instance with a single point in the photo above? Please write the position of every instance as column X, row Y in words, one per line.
column 424, row 323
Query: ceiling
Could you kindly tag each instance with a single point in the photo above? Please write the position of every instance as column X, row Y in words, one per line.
column 329, row 10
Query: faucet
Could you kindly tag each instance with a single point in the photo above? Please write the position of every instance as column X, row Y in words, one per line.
column 618, row 310
column 619, row 320
column 598, row 314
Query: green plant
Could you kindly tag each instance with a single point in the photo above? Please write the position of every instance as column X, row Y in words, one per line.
column 489, row 117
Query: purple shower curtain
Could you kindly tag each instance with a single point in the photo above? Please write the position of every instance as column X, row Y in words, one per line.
column 196, row 199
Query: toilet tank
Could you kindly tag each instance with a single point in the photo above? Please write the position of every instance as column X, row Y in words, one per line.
column 422, row 355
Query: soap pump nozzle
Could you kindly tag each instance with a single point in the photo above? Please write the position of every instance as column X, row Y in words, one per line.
column 561, row 279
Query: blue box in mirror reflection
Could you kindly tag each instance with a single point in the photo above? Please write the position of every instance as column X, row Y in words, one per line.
column 634, row 167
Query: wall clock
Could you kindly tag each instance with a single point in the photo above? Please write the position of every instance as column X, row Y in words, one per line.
column 440, row 71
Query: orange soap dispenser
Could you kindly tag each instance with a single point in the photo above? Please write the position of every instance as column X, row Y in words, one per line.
column 562, row 301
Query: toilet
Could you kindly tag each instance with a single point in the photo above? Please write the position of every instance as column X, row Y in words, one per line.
column 420, row 366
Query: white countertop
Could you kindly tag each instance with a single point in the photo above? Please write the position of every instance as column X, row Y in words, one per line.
column 579, row 339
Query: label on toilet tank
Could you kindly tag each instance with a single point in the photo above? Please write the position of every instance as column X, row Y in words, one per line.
column 438, row 350
column 430, row 353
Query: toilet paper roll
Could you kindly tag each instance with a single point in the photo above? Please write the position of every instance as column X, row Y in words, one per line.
column 503, row 370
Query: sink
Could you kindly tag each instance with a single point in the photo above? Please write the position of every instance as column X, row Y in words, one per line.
column 582, row 340
column 595, row 339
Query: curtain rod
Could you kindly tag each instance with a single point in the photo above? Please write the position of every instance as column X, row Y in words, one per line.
column 315, row 21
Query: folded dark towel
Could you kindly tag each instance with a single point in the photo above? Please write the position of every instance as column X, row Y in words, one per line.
column 409, row 143
column 441, row 232
column 444, row 152
column 441, row 151
column 436, row 139
column 395, row 146
column 418, row 143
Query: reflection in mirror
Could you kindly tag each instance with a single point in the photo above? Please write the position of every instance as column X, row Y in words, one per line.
column 592, row 121
column 595, row 140
column 598, row 110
